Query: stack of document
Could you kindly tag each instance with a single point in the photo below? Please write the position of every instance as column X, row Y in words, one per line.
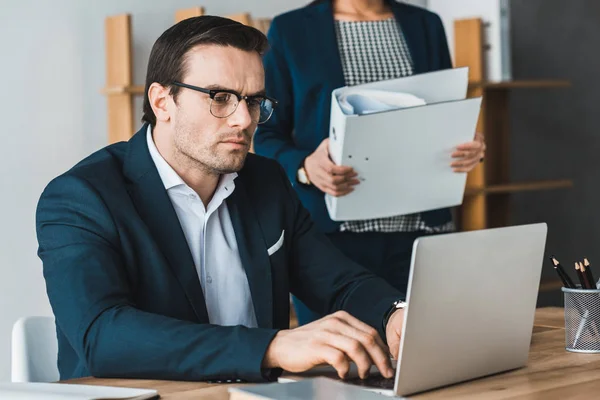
column 399, row 135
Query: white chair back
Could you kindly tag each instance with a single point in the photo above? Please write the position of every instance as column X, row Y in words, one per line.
column 34, row 350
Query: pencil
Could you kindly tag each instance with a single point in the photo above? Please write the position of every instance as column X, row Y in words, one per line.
column 581, row 277
column 590, row 284
column 564, row 277
column 588, row 271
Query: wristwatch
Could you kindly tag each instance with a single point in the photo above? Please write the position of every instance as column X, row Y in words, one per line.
column 302, row 176
column 397, row 305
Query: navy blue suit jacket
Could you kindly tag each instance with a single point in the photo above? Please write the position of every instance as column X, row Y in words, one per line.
column 303, row 67
column 124, row 289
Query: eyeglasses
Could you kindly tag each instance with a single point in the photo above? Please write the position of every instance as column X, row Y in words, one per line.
column 224, row 102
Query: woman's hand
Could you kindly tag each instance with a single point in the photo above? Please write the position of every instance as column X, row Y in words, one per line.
column 468, row 155
column 332, row 179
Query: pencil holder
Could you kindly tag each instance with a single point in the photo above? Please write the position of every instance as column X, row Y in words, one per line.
column 582, row 320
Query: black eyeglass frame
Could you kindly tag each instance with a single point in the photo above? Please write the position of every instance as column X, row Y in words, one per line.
column 213, row 92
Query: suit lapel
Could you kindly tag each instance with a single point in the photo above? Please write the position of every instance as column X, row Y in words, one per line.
column 253, row 253
column 155, row 208
column 412, row 28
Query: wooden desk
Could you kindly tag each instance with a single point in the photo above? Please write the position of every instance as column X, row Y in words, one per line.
column 552, row 373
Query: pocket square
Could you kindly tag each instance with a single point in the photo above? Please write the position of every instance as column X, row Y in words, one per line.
column 277, row 245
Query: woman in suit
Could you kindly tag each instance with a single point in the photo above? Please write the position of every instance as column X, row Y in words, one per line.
column 326, row 45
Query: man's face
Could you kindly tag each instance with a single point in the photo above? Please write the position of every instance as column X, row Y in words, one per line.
column 218, row 144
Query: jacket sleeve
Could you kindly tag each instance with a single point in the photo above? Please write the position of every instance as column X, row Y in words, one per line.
column 273, row 139
column 91, row 296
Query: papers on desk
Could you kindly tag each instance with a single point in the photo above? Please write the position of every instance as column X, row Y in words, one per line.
column 399, row 135
column 60, row 391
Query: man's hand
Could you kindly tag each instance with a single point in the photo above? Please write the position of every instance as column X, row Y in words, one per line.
column 336, row 339
column 469, row 154
column 329, row 178
column 393, row 331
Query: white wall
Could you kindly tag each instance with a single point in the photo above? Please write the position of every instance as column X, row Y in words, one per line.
column 496, row 30
column 52, row 70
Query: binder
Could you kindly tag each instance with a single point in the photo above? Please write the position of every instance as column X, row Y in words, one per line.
column 403, row 155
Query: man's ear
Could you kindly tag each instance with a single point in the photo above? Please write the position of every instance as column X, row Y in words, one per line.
column 159, row 98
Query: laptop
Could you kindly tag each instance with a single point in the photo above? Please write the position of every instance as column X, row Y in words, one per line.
column 471, row 304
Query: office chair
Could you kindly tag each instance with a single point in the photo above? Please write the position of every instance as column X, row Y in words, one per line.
column 34, row 350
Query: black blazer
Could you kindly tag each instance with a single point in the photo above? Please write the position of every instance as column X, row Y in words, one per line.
column 303, row 67
column 124, row 289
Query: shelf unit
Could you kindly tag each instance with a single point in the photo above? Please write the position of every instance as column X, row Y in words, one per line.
column 487, row 194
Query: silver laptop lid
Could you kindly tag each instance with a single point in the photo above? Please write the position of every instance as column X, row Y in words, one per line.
column 471, row 304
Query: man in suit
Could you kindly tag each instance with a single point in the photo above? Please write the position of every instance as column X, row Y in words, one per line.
column 172, row 255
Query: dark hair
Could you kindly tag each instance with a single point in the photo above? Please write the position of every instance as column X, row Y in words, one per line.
column 167, row 62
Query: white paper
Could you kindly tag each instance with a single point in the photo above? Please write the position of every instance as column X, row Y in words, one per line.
column 365, row 101
column 60, row 391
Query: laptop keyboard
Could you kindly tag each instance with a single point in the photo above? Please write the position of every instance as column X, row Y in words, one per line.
column 374, row 381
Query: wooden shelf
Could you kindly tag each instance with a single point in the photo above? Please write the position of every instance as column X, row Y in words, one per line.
column 137, row 90
column 521, row 84
column 519, row 187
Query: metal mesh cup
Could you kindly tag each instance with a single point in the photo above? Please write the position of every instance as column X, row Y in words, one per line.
column 582, row 320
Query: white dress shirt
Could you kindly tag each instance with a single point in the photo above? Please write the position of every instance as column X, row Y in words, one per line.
column 211, row 239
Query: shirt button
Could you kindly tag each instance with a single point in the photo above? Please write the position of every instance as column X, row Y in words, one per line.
column 209, row 279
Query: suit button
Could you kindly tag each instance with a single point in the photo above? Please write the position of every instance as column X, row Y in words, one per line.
column 209, row 279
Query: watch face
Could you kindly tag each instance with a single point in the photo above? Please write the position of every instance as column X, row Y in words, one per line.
column 302, row 176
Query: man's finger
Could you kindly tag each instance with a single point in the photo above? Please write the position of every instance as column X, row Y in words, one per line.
column 382, row 360
column 352, row 348
column 358, row 324
column 378, row 352
column 336, row 358
column 394, row 346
